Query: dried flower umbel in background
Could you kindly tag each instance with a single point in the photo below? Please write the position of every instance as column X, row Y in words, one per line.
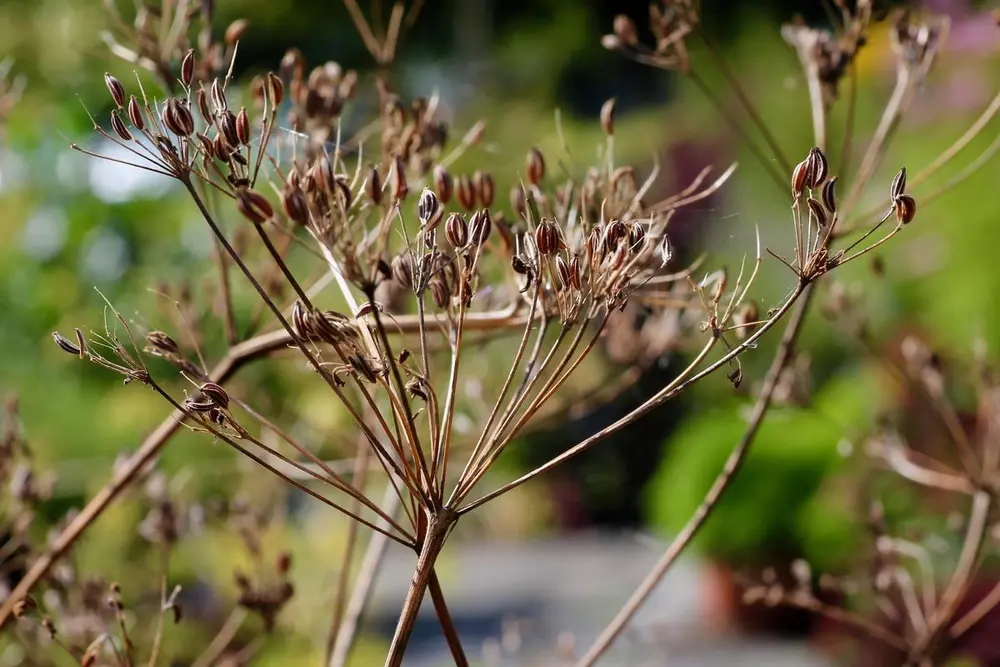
column 827, row 58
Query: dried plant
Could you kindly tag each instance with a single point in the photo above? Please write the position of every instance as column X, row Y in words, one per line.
column 427, row 266
column 898, row 599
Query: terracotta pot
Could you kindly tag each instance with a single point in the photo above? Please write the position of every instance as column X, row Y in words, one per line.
column 725, row 612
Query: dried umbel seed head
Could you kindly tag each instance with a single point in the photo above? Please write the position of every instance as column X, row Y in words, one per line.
column 135, row 114
column 323, row 174
column 665, row 250
column 548, row 238
column 480, row 227
column 341, row 192
column 817, row 211
column 625, row 30
column 218, row 95
column 484, row 187
column 254, row 206
column 116, row 89
column 161, row 342
column 236, row 30
column 177, row 117
column 636, row 236
column 535, row 166
column 829, row 196
column 417, row 387
column 118, row 125
column 443, row 184
column 373, row 186
column 800, row 177
column 402, row 270
column 576, row 272
column 614, row 233
column 202, row 99
column 898, row 186
column 608, row 117
column 187, row 68
column 65, row 344
column 216, row 394
column 275, row 90
column 243, row 126
column 302, row 321
column 295, row 204
column 439, row 291
column 227, row 126
column 427, row 206
column 818, row 167
column 456, row 230
column 465, row 193
column 292, row 64
column 563, row 273
column 220, row 148
column 593, row 245
column 905, row 207
column 398, row 180
column 519, row 265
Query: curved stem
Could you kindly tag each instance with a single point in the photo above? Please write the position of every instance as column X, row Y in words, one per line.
column 960, row 144
column 662, row 396
column 729, row 470
column 361, row 592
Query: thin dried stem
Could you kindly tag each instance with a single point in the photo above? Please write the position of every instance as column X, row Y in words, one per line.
column 733, row 464
column 965, row 569
column 222, row 639
column 361, row 592
column 447, row 624
column 960, row 144
column 745, row 102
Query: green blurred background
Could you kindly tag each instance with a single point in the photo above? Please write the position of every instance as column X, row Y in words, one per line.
column 67, row 226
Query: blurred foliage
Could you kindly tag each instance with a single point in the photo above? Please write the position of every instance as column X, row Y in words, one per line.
column 770, row 512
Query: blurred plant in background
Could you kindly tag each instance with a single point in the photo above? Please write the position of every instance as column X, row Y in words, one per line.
column 574, row 245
